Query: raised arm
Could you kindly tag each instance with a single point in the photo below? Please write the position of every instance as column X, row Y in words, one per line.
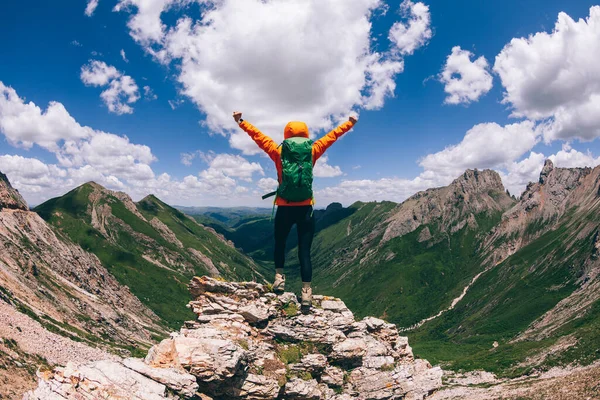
column 323, row 144
column 262, row 140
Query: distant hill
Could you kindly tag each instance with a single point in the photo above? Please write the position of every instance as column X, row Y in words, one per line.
column 149, row 246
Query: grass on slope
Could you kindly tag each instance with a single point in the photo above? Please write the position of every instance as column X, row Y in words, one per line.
column 407, row 281
column 164, row 291
column 503, row 303
column 194, row 236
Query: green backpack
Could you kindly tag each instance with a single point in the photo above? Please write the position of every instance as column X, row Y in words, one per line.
column 296, row 170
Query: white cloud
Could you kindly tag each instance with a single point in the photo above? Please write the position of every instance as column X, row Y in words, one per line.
column 417, row 32
column 91, row 7
column 267, row 185
column 25, row 124
column 571, row 158
column 517, row 175
column 149, row 93
column 233, row 166
column 175, row 103
column 323, row 170
column 123, row 55
column 484, row 146
column 464, row 80
column 76, row 147
column 122, row 89
column 76, row 43
column 554, row 77
column 187, row 158
column 390, row 189
column 98, row 73
column 250, row 56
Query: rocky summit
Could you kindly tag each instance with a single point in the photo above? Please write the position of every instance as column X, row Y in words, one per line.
column 249, row 343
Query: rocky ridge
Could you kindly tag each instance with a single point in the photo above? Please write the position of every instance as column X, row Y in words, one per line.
column 53, row 280
column 10, row 197
column 249, row 343
column 454, row 206
column 541, row 207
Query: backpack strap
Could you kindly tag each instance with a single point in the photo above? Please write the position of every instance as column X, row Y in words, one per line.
column 266, row 196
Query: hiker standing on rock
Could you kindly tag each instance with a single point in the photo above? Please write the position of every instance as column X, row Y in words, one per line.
column 294, row 160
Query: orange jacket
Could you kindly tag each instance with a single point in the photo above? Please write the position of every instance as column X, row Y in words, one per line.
column 294, row 129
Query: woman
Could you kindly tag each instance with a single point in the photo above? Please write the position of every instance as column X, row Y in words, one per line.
column 294, row 195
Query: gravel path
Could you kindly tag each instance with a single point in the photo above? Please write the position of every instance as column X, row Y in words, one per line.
column 33, row 338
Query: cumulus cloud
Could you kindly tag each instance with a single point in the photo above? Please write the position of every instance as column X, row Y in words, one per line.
column 250, row 56
column 91, row 7
column 552, row 77
column 267, row 184
column 122, row 89
column 235, row 166
column 123, row 55
column 464, row 80
column 76, row 147
column 324, row 170
column 25, row 124
column 484, row 146
column 416, row 32
column 571, row 158
column 390, row 189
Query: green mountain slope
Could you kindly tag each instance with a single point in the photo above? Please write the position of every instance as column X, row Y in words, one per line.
column 151, row 247
column 405, row 262
column 541, row 301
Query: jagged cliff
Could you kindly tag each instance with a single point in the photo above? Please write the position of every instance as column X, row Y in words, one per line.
column 248, row 343
column 53, row 279
column 451, row 207
column 50, row 286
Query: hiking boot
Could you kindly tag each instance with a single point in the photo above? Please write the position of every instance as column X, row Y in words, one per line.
column 279, row 284
column 306, row 297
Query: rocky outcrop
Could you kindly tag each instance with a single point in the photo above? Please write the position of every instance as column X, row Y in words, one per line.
column 452, row 207
column 541, row 206
column 9, row 196
column 55, row 281
column 248, row 343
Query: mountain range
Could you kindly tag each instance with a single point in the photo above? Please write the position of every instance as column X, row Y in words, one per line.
column 476, row 278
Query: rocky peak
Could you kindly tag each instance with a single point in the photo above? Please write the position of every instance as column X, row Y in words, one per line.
column 10, row 197
column 542, row 203
column 249, row 343
column 452, row 206
column 99, row 192
column 476, row 181
column 548, row 167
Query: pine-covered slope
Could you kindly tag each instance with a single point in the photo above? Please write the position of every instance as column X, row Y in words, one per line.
column 150, row 247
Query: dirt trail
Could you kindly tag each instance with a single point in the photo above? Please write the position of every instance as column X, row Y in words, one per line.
column 452, row 305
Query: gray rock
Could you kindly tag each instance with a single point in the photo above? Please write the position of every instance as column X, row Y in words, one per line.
column 350, row 351
column 259, row 387
column 313, row 363
column 333, row 376
column 300, row 389
column 224, row 354
column 182, row 382
column 102, row 379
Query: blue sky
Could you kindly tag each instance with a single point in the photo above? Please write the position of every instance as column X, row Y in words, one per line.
column 45, row 46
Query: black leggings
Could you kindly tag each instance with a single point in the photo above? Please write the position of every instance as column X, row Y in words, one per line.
column 285, row 218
